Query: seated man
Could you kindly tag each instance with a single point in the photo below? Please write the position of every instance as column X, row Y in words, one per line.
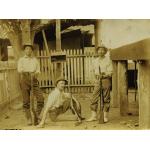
column 59, row 102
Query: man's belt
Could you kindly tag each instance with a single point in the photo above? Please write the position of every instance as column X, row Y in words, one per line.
column 26, row 73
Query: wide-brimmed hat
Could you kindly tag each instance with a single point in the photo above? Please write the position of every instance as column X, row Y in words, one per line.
column 102, row 46
column 61, row 79
column 28, row 45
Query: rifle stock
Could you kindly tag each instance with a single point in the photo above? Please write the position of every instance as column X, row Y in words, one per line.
column 101, row 111
column 72, row 101
column 32, row 107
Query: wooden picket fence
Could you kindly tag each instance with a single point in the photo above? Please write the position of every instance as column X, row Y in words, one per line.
column 9, row 82
column 77, row 69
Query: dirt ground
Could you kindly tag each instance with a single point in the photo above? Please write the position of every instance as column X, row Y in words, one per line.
column 13, row 118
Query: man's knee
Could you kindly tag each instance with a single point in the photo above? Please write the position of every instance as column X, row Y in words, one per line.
column 67, row 96
column 26, row 105
column 53, row 115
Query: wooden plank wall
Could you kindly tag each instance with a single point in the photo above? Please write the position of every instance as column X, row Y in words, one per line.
column 77, row 70
column 9, row 82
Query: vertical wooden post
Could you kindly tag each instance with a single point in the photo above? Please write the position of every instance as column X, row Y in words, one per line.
column 115, row 101
column 144, row 94
column 123, row 87
column 58, row 47
column 58, row 35
column 26, row 32
column 97, row 33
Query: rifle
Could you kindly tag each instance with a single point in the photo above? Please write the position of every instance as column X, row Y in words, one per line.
column 72, row 107
column 101, row 111
column 32, row 106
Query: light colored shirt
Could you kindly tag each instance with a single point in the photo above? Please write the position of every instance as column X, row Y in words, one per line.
column 105, row 65
column 28, row 64
column 56, row 99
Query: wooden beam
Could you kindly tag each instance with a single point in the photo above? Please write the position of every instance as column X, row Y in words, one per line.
column 97, row 33
column 58, row 35
column 144, row 94
column 136, row 51
column 123, row 87
column 45, row 40
column 58, row 48
column 115, row 101
column 26, row 31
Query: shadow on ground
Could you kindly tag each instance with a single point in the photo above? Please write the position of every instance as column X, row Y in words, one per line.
column 13, row 118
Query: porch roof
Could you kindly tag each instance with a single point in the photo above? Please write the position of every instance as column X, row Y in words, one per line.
column 65, row 23
column 136, row 51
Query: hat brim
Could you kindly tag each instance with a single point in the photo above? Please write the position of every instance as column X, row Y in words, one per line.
column 61, row 80
column 105, row 48
column 28, row 45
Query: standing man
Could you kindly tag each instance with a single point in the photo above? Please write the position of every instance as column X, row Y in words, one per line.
column 29, row 68
column 59, row 102
column 102, row 67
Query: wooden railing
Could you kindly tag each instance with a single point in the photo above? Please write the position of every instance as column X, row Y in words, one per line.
column 9, row 82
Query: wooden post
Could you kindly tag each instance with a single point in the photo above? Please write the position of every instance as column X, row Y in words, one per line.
column 123, row 87
column 58, row 35
column 144, row 94
column 58, row 47
column 26, row 32
column 115, row 101
column 97, row 33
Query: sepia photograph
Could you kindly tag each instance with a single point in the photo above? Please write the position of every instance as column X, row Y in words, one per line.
column 74, row 74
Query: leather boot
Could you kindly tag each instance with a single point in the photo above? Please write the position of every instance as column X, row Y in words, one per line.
column 93, row 116
column 28, row 117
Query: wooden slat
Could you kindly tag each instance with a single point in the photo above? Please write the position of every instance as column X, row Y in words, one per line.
column 45, row 66
column 81, row 63
column 75, row 69
column 72, row 76
column 42, row 69
column 68, row 68
column 65, row 69
column 52, row 69
column 78, row 71
column 38, row 54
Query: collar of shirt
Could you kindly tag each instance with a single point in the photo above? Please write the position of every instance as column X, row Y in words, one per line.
column 25, row 56
column 59, row 90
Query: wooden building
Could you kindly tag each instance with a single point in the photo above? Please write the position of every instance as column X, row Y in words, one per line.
column 139, row 52
column 52, row 37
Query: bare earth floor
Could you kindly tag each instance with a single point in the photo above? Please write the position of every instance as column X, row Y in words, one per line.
column 13, row 118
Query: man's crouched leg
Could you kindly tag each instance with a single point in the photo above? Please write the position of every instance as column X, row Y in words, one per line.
column 53, row 114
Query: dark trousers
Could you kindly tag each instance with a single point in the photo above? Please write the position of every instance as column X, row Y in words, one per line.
column 106, row 88
column 26, row 91
column 66, row 106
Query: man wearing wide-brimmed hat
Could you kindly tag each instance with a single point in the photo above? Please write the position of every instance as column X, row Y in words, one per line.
column 59, row 102
column 102, row 68
column 29, row 68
